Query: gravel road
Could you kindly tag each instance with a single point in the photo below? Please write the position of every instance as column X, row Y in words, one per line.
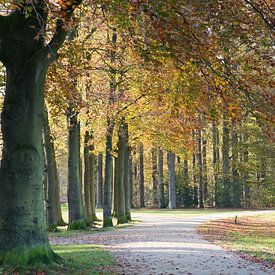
column 169, row 244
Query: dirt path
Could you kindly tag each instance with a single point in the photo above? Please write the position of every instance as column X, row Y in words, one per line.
column 168, row 244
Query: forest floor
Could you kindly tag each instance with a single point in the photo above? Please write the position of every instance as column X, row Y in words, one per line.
column 167, row 242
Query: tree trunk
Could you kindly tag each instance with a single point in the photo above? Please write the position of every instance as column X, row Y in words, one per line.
column 115, row 188
column 200, row 169
column 130, row 178
column 54, row 216
column 99, row 191
column 23, row 227
column 204, row 166
column 226, row 194
column 141, row 176
column 87, row 177
column 121, row 211
column 75, row 199
column 155, row 177
column 171, row 161
column 107, row 197
column 236, row 184
column 126, row 175
column 93, row 184
column 160, row 178
column 215, row 161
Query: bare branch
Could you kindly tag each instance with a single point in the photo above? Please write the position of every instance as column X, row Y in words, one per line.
column 256, row 9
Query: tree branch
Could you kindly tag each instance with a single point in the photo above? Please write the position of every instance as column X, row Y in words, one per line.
column 61, row 32
column 256, row 9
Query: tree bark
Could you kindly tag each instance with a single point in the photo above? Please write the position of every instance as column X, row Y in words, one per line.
column 215, row 161
column 141, row 176
column 107, row 198
column 93, row 184
column 121, row 211
column 161, row 178
column 127, row 186
column 236, row 184
column 99, row 191
column 200, row 169
column 54, row 216
column 23, row 220
column 171, row 161
column 155, row 177
column 75, row 199
column 226, row 194
column 87, row 177
column 204, row 166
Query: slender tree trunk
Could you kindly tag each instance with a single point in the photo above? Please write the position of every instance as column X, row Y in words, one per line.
column 87, row 177
column 226, row 165
column 141, row 176
column 215, row 161
column 75, row 199
column 126, row 175
column 200, row 169
column 161, row 178
column 99, row 191
column 53, row 197
column 107, row 197
column 171, row 161
column 155, row 177
column 236, row 184
column 130, row 178
column 121, row 211
column 115, row 188
column 93, row 184
column 247, row 191
column 204, row 166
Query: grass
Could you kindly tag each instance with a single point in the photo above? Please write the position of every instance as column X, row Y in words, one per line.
column 253, row 236
column 77, row 259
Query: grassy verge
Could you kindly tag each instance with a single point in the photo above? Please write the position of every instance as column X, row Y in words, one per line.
column 77, row 259
column 252, row 236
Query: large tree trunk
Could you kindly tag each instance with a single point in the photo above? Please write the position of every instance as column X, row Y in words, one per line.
column 107, row 198
column 75, row 199
column 155, row 177
column 160, row 178
column 99, row 191
column 141, row 177
column 87, row 177
column 54, row 216
column 23, row 234
column 130, row 178
column 200, row 170
column 171, row 161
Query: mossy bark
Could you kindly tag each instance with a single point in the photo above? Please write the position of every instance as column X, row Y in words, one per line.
column 200, row 169
column 23, row 234
column 127, row 187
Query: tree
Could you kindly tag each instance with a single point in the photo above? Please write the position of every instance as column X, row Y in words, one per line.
column 26, row 58
column 99, row 189
column 141, row 176
column 54, row 216
column 171, row 161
